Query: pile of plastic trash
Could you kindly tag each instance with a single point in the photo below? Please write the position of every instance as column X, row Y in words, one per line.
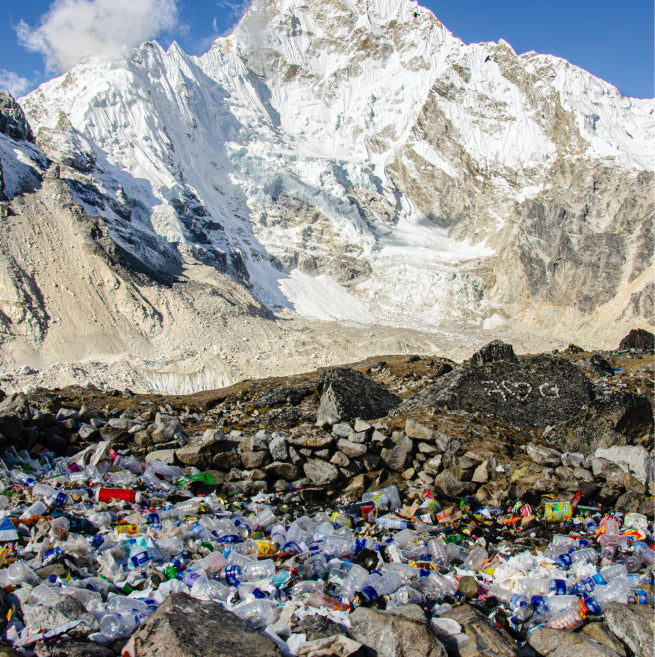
column 119, row 537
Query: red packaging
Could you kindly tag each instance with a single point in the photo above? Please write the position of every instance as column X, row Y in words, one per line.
column 107, row 494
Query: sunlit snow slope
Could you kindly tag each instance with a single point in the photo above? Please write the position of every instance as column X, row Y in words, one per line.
column 353, row 160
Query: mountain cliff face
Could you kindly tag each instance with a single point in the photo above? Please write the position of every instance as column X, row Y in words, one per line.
column 347, row 161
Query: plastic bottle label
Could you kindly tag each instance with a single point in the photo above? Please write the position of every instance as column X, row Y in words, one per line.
column 558, row 587
column 233, row 575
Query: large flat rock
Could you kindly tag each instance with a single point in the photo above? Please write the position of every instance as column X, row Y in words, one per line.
column 186, row 627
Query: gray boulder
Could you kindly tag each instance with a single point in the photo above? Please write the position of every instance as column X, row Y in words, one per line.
column 633, row 626
column 493, row 352
column 617, row 418
column 65, row 610
column 560, row 643
column 392, row 635
column 535, row 392
column 484, row 638
column 398, row 456
column 185, row 627
column 320, row 471
column 638, row 340
column 347, row 394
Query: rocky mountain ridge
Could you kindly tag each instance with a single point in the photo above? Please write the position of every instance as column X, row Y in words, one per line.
column 351, row 163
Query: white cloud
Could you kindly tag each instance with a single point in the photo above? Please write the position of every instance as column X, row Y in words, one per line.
column 13, row 83
column 73, row 29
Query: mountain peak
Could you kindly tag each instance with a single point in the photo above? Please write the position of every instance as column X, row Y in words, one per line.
column 354, row 161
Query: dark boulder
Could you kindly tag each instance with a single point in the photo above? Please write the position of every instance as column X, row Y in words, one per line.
column 347, row 394
column 283, row 395
column 601, row 366
column 533, row 392
column 12, row 119
column 618, row 418
column 493, row 352
column 638, row 340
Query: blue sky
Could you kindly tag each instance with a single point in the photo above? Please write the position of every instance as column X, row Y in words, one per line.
column 613, row 40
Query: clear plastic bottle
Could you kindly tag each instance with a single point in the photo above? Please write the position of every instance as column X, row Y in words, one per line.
column 476, row 558
column 36, row 508
column 550, row 606
column 403, row 537
column 209, row 589
column 120, row 623
column 257, row 570
column 18, row 573
column 643, row 551
column 568, row 619
column 407, row 595
column 378, row 584
column 507, row 597
column 278, row 534
column 336, row 546
column 257, row 613
column 264, row 519
column 614, row 571
column 437, row 549
column 354, row 581
column 586, row 555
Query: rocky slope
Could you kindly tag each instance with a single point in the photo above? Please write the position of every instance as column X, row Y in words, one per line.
column 497, row 426
column 342, row 162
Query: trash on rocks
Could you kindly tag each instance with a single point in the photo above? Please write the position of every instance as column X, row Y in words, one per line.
column 114, row 539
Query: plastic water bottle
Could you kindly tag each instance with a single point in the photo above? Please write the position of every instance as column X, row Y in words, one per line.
column 614, row 571
column 403, row 537
column 336, row 546
column 121, row 623
column 506, row 597
column 565, row 620
column 209, row 589
column 18, row 573
column 643, row 551
column 278, row 534
column 257, row 570
column 264, row 519
column 476, row 558
column 407, row 595
column 587, row 584
column 378, row 584
column 586, row 555
column 355, row 580
column 37, row 508
column 437, row 550
column 551, row 606
column 257, row 613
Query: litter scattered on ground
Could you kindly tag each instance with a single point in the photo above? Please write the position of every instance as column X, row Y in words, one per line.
column 91, row 545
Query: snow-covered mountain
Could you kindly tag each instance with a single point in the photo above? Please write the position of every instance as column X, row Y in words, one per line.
column 346, row 160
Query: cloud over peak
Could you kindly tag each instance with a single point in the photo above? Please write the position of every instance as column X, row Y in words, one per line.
column 73, row 29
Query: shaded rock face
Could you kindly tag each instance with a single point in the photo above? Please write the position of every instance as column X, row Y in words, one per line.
column 534, row 392
column 639, row 340
column 493, row 352
column 12, row 119
column 348, row 394
column 483, row 637
column 185, row 627
column 619, row 418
